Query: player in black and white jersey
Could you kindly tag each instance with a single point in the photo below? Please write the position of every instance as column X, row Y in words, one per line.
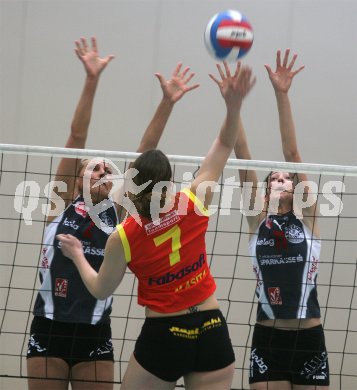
column 288, row 347
column 70, row 336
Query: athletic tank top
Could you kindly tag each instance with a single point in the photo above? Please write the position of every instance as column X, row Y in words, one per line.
column 285, row 262
column 169, row 257
column 63, row 295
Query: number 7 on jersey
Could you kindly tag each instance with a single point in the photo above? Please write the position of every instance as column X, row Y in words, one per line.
column 173, row 234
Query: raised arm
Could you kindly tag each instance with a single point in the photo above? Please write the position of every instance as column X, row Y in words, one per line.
column 234, row 89
column 173, row 90
column 93, row 65
column 281, row 81
column 248, row 178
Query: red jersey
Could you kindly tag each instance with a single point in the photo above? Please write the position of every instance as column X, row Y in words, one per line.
column 168, row 256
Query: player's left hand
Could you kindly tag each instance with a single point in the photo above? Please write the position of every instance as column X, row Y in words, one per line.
column 177, row 86
column 93, row 64
column 71, row 247
column 284, row 73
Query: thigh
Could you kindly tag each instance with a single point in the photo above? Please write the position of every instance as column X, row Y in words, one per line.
column 95, row 375
column 212, row 380
column 271, row 385
column 308, row 387
column 54, row 373
column 137, row 377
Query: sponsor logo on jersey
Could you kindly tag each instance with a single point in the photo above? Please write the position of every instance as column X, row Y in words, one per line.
column 191, row 282
column 171, row 277
column 81, row 209
column 266, row 242
column 164, row 222
column 44, row 260
column 72, row 224
column 281, row 260
column 104, row 217
column 61, row 287
column 313, row 269
column 92, row 250
column 274, row 296
column 294, row 234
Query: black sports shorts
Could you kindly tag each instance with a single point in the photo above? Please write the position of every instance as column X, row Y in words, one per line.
column 171, row 347
column 297, row 356
column 74, row 343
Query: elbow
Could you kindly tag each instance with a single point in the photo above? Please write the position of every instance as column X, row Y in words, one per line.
column 101, row 295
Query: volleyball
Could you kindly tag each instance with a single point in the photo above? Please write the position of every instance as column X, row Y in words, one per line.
column 228, row 36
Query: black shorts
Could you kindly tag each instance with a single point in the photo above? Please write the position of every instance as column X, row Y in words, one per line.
column 297, row 356
column 74, row 343
column 171, row 347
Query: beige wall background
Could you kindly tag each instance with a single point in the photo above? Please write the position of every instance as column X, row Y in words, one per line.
column 40, row 82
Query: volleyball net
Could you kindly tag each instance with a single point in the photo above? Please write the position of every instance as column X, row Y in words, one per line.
column 26, row 174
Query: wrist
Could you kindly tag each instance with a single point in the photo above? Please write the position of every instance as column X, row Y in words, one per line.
column 234, row 107
column 93, row 79
column 167, row 102
column 280, row 93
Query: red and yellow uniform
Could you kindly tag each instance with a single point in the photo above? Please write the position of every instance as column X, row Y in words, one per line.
column 168, row 256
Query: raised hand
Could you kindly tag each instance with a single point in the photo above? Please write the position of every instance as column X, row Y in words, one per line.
column 93, row 64
column 177, row 86
column 234, row 88
column 283, row 75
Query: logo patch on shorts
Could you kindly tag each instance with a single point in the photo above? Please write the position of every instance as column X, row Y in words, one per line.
column 61, row 287
column 316, row 367
column 274, row 296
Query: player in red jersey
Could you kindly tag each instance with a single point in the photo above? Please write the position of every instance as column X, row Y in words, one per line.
column 185, row 333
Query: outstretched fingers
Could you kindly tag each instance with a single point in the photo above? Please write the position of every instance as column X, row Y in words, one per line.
column 228, row 71
column 94, row 44
column 176, row 72
column 286, row 58
column 278, row 59
column 291, row 65
column 246, row 80
column 236, row 73
column 220, row 71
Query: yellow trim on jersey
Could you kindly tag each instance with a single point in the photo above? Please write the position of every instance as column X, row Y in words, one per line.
column 125, row 242
column 196, row 201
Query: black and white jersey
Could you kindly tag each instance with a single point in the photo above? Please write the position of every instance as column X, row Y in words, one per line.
column 63, row 295
column 285, row 261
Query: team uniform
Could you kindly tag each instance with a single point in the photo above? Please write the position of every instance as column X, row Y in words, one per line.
column 69, row 322
column 285, row 262
column 168, row 257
